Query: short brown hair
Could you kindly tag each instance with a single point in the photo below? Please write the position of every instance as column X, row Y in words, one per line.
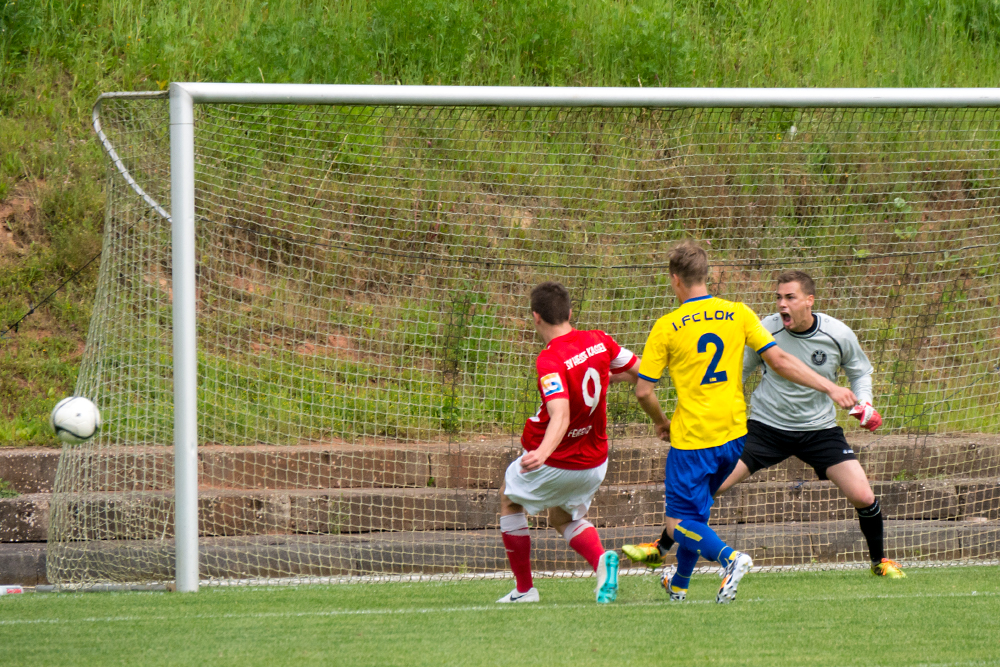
column 689, row 262
column 800, row 277
column 551, row 301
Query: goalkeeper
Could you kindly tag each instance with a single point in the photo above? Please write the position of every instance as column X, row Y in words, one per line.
column 787, row 419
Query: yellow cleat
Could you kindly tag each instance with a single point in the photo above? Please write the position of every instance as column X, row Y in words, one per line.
column 648, row 554
column 888, row 568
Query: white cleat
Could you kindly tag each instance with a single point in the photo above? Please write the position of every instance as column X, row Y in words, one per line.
column 738, row 566
column 675, row 596
column 514, row 596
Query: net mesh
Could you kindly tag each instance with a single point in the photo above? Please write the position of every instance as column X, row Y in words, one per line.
column 366, row 351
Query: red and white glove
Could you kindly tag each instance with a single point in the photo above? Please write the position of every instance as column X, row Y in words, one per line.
column 867, row 415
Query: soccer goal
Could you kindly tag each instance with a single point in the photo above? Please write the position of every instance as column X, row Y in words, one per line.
column 313, row 353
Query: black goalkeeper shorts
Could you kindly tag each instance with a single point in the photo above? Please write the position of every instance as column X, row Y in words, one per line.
column 767, row 446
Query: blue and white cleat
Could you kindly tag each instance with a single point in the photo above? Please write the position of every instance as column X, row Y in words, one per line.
column 676, row 595
column 738, row 566
column 531, row 595
column 607, row 577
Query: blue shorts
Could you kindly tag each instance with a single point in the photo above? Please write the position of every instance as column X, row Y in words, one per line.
column 694, row 475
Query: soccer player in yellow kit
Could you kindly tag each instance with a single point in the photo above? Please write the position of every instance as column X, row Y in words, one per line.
column 701, row 343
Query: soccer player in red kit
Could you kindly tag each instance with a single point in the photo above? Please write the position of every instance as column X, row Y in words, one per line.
column 565, row 444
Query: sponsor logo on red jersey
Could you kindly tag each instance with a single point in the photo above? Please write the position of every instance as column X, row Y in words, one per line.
column 551, row 384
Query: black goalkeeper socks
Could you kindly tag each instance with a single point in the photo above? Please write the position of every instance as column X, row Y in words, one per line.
column 870, row 519
column 665, row 543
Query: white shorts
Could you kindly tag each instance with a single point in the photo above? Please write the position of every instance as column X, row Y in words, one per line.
column 538, row 490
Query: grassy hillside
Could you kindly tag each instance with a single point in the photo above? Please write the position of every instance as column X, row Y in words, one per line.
column 57, row 56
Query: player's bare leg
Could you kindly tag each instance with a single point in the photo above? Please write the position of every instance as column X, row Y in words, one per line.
column 517, row 542
column 582, row 537
column 508, row 506
column 559, row 519
column 739, row 473
column 850, row 478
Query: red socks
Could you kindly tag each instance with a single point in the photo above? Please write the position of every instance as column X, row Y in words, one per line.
column 517, row 542
column 583, row 538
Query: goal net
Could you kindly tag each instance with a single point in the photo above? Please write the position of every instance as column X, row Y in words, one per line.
column 365, row 349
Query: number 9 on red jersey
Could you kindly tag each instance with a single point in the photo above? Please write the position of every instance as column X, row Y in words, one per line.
column 577, row 367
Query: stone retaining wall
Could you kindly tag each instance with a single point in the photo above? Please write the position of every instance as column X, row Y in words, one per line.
column 145, row 515
column 477, row 465
column 940, row 494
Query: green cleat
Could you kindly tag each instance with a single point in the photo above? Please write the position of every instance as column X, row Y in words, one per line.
column 648, row 554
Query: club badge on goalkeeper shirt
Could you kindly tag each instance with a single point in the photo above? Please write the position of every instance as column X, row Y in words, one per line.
column 701, row 345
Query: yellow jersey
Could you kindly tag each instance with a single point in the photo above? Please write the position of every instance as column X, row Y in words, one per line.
column 701, row 343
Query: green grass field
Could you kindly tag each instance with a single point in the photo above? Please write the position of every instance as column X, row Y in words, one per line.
column 937, row 616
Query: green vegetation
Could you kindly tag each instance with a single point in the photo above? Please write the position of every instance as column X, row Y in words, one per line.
column 935, row 616
column 371, row 281
column 56, row 57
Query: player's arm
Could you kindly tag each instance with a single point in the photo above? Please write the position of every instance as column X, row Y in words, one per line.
column 859, row 371
column 861, row 385
column 558, row 409
column 624, row 366
column 654, row 365
column 645, row 393
column 793, row 370
column 751, row 361
column 630, row 375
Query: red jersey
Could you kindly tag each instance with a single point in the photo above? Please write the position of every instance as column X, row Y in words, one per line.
column 577, row 366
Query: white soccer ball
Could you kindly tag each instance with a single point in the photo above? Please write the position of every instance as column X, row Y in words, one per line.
column 75, row 420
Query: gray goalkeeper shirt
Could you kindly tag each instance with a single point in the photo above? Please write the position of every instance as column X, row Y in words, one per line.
column 826, row 347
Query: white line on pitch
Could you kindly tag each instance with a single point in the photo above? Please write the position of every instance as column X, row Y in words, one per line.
column 477, row 608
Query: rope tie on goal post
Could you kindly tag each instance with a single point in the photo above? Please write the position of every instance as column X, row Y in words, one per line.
column 14, row 326
column 109, row 148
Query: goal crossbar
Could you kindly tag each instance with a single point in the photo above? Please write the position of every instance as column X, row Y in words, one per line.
column 519, row 96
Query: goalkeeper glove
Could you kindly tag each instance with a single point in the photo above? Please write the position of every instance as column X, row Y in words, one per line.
column 867, row 415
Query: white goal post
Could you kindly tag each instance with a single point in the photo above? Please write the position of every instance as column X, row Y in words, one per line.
column 909, row 228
